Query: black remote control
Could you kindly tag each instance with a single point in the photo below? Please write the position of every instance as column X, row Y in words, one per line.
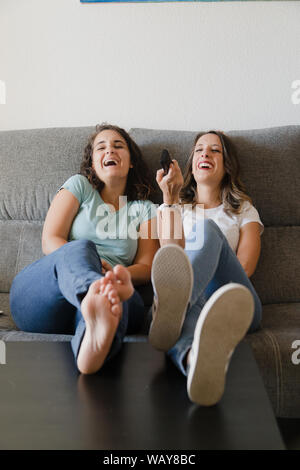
column 165, row 160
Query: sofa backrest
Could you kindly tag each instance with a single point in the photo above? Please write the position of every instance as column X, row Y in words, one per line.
column 270, row 170
column 34, row 164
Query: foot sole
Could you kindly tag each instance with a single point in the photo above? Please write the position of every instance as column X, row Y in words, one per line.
column 222, row 324
column 172, row 280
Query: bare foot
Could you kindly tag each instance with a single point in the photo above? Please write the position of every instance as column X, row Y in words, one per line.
column 120, row 278
column 102, row 314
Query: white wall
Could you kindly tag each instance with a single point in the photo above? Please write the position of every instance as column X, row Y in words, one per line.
column 191, row 66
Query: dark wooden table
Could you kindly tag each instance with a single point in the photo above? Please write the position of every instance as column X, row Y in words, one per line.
column 138, row 401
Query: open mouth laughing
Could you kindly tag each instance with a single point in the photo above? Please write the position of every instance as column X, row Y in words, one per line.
column 110, row 162
column 205, row 165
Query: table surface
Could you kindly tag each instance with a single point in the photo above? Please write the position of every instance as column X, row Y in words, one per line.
column 137, row 401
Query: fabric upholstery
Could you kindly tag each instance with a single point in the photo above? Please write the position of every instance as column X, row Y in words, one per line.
column 269, row 159
column 260, row 154
column 272, row 348
column 35, row 163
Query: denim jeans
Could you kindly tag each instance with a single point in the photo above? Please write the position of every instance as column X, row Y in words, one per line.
column 214, row 265
column 45, row 296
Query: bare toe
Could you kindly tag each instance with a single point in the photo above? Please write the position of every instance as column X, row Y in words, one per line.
column 112, row 294
column 95, row 287
column 104, row 281
column 122, row 274
column 110, row 276
column 116, row 309
column 123, row 285
column 102, row 318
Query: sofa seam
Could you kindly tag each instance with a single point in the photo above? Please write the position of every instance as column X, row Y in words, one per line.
column 43, row 220
column 22, row 220
column 21, row 241
column 278, row 367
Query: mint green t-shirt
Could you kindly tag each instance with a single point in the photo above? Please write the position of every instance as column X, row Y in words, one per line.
column 115, row 233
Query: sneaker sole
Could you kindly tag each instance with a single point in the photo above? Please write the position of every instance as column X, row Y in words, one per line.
column 172, row 280
column 223, row 323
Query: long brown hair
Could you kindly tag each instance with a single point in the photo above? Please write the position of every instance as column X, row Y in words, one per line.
column 232, row 191
column 139, row 185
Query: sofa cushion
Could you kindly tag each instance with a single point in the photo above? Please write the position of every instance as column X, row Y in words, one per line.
column 6, row 321
column 277, row 277
column 270, row 168
column 22, row 242
column 13, row 335
column 47, row 157
column 34, row 163
column 270, row 165
column 272, row 348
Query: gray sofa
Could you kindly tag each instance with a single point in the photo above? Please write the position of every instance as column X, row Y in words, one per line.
column 34, row 163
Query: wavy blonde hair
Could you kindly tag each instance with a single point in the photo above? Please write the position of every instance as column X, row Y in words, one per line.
column 232, row 192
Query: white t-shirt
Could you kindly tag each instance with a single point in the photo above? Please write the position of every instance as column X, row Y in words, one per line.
column 229, row 225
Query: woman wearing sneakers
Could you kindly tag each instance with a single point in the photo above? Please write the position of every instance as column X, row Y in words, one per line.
column 204, row 301
column 96, row 240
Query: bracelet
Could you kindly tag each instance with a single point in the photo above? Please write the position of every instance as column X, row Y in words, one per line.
column 169, row 206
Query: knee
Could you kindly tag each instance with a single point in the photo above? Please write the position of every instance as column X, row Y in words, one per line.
column 209, row 232
column 81, row 245
column 211, row 228
column 84, row 243
column 203, row 231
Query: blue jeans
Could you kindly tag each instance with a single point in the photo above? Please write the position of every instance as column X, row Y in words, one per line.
column 45, row 296
column 214, row 265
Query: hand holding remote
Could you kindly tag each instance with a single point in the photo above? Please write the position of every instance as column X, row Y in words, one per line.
column 169, row 179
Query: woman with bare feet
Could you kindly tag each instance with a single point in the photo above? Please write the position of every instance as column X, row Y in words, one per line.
column 98, row 246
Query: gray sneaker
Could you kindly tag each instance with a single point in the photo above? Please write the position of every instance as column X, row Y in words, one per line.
column 172, row 280
column 222, row 324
